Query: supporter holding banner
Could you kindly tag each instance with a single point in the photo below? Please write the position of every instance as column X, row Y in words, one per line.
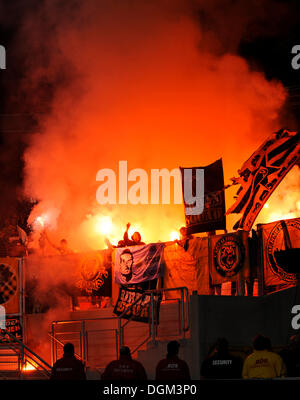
column 281, row 253
column 262, row 173
column 213, row 215
column 139, row 263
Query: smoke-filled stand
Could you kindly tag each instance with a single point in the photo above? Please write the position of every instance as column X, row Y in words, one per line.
column 204, row 281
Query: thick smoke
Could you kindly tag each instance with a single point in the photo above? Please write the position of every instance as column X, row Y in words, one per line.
column 285, row 202
column 145, row 85
column 159, row 84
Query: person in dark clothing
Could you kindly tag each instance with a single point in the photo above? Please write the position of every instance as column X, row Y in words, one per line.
column 124, row 369
column 184, row 238
column 291, row 356
column 62, row 248
column 221, row 364
column 136, row 239
column 216, row 288
column 68, row 367
column 172, row 368
column 13, row 239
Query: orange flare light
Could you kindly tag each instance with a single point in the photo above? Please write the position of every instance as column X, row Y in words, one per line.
column 29, row 367
column 104, row 225
column 174, row 236
column 41, row 221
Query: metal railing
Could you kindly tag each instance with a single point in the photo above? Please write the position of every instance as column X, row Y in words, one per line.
column 25, row 354
column 62, row 344
column 184, row 320
column 83, row 336
column 153, row 320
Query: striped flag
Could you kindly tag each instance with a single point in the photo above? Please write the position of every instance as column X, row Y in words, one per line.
column 262, row 173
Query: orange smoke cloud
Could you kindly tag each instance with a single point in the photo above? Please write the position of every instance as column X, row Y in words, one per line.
column 285, row 201
column 145, row 87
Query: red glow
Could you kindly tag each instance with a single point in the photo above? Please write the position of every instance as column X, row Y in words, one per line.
column 29, row 367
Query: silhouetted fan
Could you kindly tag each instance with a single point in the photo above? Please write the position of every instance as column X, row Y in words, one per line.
column 288, row 259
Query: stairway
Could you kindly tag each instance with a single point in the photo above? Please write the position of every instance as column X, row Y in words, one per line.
column 10, row 365
column 17, row 361
column 10, row 362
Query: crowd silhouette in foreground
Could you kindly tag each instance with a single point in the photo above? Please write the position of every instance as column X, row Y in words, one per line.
column 262, row 363
column 220, row 363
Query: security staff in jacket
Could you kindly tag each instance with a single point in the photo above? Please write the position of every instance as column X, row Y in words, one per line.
column 221, row 364
column 172, row 368
column 68, row 367
column 124, row 369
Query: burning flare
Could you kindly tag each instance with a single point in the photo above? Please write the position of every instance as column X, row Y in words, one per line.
column 29, row 367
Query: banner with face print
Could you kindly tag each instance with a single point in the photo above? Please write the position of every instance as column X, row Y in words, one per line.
column 138, row 264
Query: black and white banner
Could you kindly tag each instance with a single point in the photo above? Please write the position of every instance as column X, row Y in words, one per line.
column 136, row 304
column 262, row 173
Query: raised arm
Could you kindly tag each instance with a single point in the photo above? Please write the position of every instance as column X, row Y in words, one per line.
column 108, row 244
column 49, row 241
column 125, row 237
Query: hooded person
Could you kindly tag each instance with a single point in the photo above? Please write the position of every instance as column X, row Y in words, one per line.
column 68, row 367
column 172, row 368
column 221, row 364
column 125, row 368
column 136, row 239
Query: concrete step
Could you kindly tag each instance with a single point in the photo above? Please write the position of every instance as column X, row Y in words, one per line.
column 8, row 349
column 170, row 307
column 26, row 375
column 9, row 374
column 169, row 314
column 9, row 366
column 9, row 359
